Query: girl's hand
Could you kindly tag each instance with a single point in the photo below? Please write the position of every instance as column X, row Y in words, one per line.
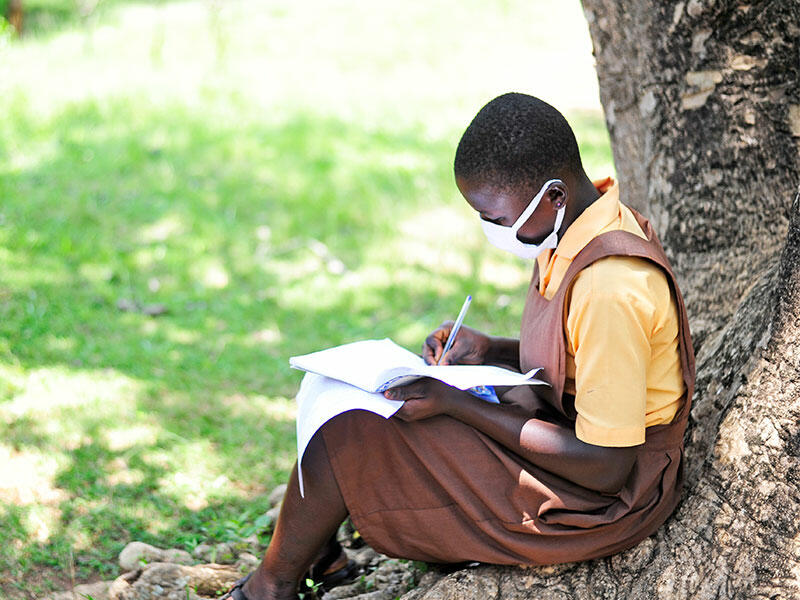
column 424, row 398
column 470, row 346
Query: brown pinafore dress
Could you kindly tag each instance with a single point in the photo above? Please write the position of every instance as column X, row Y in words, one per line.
column 441, row 491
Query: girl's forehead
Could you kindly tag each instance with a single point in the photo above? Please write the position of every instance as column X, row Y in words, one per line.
column 486, row 196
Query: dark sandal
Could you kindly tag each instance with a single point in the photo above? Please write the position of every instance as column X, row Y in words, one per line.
column 235, row 592
column 346, row 574
column 328, row 581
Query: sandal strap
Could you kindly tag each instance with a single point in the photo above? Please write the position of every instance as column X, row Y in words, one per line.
column 334, row 552
column 235, row 592
column 346, row 574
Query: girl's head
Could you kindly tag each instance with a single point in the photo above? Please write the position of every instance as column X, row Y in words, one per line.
column 517, row 141
column 512, row 147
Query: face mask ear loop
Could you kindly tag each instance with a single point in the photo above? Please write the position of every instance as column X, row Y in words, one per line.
column 559, row 219
column 526, row 214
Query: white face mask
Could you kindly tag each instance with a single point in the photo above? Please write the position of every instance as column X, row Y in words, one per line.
column 505, row 238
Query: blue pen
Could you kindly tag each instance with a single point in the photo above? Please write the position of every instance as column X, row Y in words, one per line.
column 456, row 326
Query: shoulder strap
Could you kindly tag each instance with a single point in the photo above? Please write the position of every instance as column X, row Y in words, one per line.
column 623, row 243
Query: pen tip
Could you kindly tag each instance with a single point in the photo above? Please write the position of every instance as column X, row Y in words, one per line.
column 469, row 297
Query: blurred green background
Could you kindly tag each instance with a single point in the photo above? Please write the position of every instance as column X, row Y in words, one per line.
column 190, row 193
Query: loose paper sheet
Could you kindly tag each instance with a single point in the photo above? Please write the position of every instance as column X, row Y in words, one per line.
column 321, row 398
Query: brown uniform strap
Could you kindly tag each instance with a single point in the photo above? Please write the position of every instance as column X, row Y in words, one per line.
column 622, row 243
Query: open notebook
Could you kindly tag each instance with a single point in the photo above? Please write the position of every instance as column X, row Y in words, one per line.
column 377, row 365
column 352, row 377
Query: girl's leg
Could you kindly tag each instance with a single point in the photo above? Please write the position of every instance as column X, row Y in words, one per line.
column 304, row 527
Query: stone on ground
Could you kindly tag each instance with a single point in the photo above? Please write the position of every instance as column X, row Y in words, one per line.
column 138, row 554
column 169, row 581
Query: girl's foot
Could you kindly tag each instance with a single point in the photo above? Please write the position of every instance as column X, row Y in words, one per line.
column 257, row 586
column 327, row 571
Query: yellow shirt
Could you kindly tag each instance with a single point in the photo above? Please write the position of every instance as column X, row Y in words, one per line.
column 621, row 325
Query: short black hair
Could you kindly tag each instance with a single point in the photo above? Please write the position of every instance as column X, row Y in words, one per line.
column 517, row 141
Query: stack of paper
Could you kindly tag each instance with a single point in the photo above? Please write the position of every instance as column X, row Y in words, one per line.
column 350, row 377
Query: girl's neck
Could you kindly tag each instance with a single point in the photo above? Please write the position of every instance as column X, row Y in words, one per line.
column 584, row 195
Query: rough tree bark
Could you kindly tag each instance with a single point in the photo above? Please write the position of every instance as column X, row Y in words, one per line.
column 703, row 106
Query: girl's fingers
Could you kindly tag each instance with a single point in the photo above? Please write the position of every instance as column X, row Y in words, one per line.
column 406, row 392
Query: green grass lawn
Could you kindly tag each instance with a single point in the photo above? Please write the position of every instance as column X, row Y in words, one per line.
column 273, row 178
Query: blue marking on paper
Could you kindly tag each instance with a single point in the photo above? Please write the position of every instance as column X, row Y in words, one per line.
column 485, row 392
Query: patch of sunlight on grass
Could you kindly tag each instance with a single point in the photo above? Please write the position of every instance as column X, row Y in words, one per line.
column 147, row 258
column 211, row 273
column 413, row 335
column 293, row 269
column 31, row 157
column 181, row 336
column 20, row 273
column 162, row 229
column 96, row 273
column 42, row 521
column 120, row 472
column 44, row 389
column 60, row 344
column 379, row 275
column 593, row 142
column 448, row 240
column 195, row 474
column 123, row 438
column 27, row 477
column 360, row 58
column 502, row 273
column 274, row 408
column 267, row 336
column 438, row 238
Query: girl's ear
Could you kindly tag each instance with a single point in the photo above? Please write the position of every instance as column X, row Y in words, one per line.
column 557, row 195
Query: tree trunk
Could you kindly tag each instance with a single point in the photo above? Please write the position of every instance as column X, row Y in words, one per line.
column 15, row 14
column 703, row 106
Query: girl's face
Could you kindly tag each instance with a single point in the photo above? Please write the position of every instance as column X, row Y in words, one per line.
column 504, row 206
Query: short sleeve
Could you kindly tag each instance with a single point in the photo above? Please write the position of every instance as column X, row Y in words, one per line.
column 609, row 325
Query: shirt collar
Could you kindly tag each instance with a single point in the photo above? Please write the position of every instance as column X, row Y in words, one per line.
column 598, row 215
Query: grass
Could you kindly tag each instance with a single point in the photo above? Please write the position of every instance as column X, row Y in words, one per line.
column 273, row 178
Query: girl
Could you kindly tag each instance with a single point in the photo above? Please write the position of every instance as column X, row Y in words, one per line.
column 587, row 469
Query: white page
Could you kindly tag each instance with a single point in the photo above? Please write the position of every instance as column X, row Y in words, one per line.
column 321, row 398
column 359, row 363
column 369, row 363
column 467, row 376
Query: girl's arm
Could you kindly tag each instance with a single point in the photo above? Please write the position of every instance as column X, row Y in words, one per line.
column 547, row 445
